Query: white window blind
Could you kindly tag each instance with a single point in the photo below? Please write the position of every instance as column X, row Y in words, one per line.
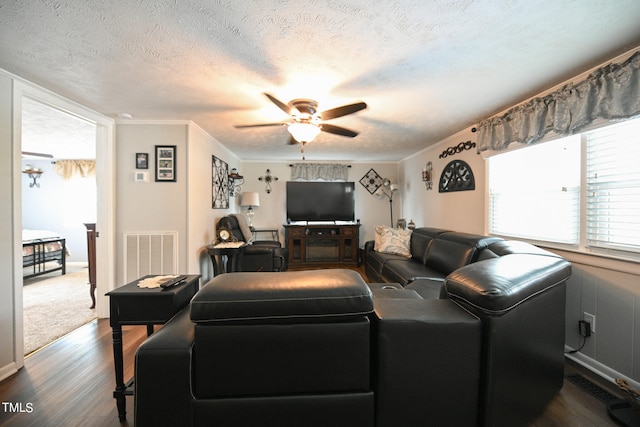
column 534, row 192
column 613, row 188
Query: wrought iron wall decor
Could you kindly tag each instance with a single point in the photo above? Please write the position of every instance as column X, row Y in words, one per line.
column 457, row 149
column 219, row 183
column 456, row 176
column 34, row 174
column 268, row 178
column 371, row 181
column 427, row 175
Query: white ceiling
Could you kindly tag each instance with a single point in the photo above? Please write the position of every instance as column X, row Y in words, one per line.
column 49, row 131
column 426, row 69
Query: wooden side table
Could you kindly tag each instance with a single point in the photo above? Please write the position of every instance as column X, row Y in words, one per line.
column 131, row 305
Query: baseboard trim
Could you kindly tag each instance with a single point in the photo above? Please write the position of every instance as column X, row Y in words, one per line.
column 8, row 370
column 599, row 369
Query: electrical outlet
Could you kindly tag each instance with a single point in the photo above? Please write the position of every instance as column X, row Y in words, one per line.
column 591, row 319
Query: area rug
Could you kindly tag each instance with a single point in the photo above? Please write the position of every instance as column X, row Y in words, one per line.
column 54, row 306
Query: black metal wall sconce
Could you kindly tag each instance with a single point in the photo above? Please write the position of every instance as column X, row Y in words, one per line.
column 268, row 178
column 34, row 174
column 235, row 182
column 427, row 175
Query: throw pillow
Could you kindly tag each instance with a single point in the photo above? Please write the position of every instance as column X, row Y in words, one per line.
column 392, row 241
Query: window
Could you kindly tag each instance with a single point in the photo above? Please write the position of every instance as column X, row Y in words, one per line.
column 538, row 192
column 534, row 193
column 613, row 188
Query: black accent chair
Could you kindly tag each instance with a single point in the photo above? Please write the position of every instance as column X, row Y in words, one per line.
column 260, row 255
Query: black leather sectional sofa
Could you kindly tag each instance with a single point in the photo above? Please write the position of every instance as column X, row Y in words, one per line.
column 436, row 253
column 324, row 348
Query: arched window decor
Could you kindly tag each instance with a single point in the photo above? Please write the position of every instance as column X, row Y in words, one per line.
column 319, row 171
column 70, row 168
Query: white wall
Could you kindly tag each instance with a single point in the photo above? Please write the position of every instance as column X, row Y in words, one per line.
column 59, row 205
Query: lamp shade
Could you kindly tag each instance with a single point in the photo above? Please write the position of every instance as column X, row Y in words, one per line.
column 250, row 199
column 303, row 132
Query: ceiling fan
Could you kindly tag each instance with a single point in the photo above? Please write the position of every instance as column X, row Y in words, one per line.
column 306, row 122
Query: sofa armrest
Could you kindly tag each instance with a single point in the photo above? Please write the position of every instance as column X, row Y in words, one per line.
column 282, row 255
column 163, row 374
column 368, row 246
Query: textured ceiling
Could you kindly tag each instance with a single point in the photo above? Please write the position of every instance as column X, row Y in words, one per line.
column 426, row 69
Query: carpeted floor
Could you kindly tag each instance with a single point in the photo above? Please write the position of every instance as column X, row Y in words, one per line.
column 55, row 305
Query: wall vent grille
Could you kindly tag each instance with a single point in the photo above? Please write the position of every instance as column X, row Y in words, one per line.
column 150, row 253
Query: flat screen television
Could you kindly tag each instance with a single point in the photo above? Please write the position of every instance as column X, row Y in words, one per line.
column 320, row 201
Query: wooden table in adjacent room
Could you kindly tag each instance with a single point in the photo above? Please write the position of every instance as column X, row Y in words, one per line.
column 132, row 305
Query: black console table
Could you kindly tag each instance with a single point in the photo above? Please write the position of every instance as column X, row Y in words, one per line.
column 131, row 305
column 322, row 245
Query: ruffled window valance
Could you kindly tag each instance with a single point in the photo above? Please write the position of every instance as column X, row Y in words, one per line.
column 69, row 168
column 319, row 171
column 610, row 92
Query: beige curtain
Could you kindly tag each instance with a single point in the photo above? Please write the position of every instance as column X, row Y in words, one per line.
column 69, row 168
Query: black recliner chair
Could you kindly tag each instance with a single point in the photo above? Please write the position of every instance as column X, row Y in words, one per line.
column 259, row 255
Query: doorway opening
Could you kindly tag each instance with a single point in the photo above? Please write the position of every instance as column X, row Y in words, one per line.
column 60, row 149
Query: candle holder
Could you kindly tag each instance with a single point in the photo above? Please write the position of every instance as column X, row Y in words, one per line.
column 427, row 174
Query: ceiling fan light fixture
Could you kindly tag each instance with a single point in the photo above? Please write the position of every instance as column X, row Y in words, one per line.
column 303, row 132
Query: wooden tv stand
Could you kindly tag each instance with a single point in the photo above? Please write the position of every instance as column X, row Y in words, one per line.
column 322, row 245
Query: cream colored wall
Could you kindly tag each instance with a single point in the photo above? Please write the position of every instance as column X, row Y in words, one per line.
column 460, row 211
column 272, row 211
column 7, row 238
column 183, row 206
column 150, row 206
column 201, row 216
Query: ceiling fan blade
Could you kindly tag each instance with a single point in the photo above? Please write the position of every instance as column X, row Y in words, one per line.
column 259, row 125
column 29, row 153
column 284, row 107
column 325, row 127
column 342, row 111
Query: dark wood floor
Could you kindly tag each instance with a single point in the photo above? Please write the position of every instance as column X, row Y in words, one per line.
column 71, row 382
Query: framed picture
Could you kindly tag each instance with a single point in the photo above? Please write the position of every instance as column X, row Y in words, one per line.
column 165, row 163
column 142, row 160
column 219, row 183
